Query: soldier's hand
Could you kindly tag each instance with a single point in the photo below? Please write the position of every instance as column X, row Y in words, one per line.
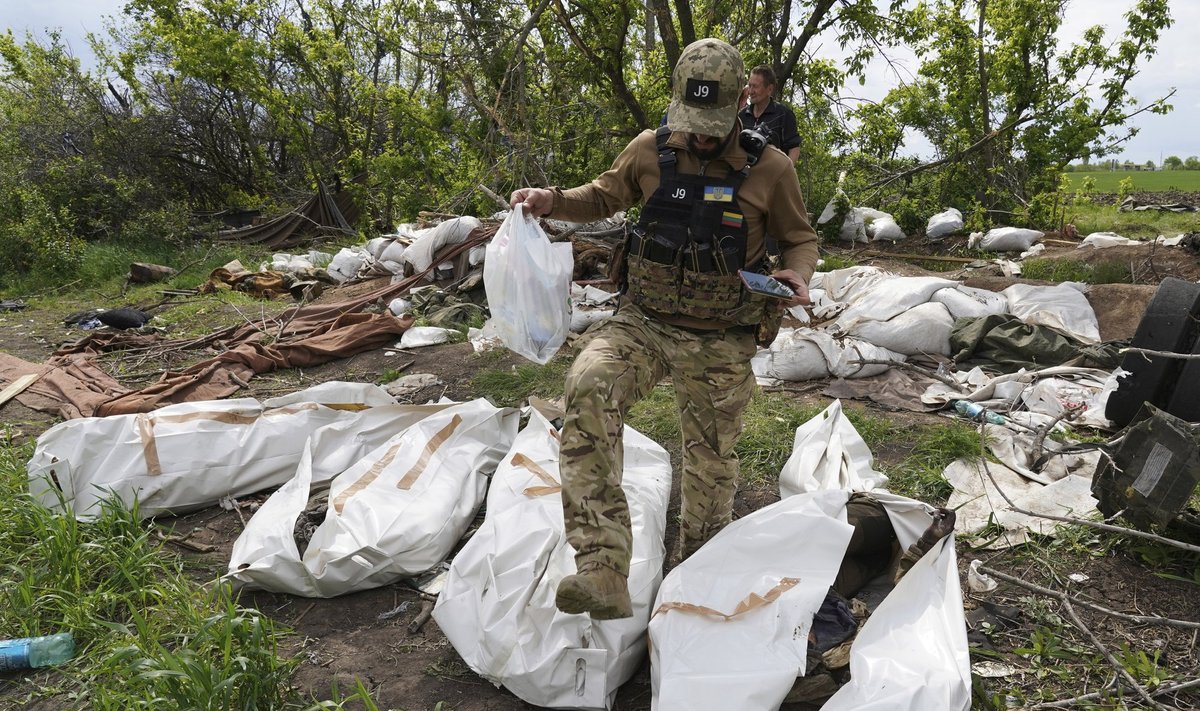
column 538, row 201
column 792, row 279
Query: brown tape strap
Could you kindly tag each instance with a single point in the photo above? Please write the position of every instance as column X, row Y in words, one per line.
column 431, row 448
column 753, row 601
column 407, row 480
column 552, row 486
column 145, row 427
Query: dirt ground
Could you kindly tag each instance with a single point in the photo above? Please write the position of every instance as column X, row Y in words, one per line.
column 412, row 666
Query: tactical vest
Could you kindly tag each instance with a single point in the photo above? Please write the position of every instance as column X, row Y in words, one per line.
column 685, row 252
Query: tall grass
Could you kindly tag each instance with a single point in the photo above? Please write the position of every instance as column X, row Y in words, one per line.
column 146, row 636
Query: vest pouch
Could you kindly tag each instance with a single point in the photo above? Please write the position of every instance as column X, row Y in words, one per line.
column 717, row 297
column 652, row 285
column 652, row 246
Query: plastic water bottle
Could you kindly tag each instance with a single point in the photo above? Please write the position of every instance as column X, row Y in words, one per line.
column 975, row 411
column 34, row 652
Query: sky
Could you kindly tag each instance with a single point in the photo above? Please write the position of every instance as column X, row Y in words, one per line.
column 1177, row 64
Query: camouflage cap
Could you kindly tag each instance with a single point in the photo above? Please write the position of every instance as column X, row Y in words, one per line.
column 706, row 85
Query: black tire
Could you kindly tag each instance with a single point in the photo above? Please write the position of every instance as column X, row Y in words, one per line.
column 1170, row 324
column 1185, row 398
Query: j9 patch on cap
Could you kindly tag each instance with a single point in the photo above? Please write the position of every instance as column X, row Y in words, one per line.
column 702, row 91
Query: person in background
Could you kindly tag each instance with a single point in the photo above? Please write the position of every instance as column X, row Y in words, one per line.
column 764, row 109
column 684, row 313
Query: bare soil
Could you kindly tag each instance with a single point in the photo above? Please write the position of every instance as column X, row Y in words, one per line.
column 414, row 667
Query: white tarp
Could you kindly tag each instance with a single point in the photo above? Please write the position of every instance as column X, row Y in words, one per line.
column 980, row 505
column 829, row 453
column 731, row 623
column 395, row 512
column 190, row 455
column 497, row 607
column 730, row 627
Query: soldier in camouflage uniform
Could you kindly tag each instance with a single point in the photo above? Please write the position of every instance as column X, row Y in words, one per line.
column 708, row 202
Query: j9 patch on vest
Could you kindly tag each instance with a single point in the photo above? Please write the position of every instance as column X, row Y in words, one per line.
column 718, row 193
column 702, row 91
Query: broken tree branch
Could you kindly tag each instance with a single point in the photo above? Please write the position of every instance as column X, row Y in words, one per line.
column 491, row 194
column 1139, row 619
column 1116, row 663
column 1074, row 703
column 1146, row 352
column 973, row 148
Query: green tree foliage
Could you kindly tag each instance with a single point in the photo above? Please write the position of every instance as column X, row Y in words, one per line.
column 1006, row 104
column 1173, row 163
column 200, row 105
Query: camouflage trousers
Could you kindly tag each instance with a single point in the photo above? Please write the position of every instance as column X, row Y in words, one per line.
column 628, row 355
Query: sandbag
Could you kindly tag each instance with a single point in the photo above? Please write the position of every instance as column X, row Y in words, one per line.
column 497, row 606
column 430, row 241
column 944, row 223
column 1005, row 239
column 1062, row 306
column 922, row 330
column 968, row 302
column 347, row 262
column 807, row 354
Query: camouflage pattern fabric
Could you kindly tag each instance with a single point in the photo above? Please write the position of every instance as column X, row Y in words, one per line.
column 621, row 364
column 706, row 84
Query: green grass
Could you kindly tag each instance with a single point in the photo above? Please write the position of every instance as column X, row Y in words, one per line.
column 1069, row 270
column 1090, row 217
column 512, row 387
column 147, row 637
column 1107, row 181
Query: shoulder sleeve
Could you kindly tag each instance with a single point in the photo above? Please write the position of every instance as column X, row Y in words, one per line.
column 787, row 220
column 615, row 189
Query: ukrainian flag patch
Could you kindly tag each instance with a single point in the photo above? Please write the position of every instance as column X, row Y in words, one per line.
column 718, row 193
column 731, row 219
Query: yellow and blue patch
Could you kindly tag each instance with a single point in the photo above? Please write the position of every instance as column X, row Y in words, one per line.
column 718, row 193
column 731, row 219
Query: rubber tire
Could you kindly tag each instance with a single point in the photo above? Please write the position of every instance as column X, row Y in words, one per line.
column 1185, row 400
column 1169, row 324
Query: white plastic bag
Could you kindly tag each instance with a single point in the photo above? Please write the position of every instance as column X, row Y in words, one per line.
column 528, row 285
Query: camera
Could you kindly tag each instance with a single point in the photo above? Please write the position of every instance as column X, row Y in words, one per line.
column 755, row 139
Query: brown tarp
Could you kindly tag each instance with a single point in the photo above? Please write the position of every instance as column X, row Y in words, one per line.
column 73, row 385
column 323, row 214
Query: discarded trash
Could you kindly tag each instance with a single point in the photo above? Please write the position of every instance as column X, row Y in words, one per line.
column 1152, row 474
column 980, row 582
column 418, row 336
column 398, row 610
column 993, row 670
column 975, row 411
column 35, row 652
column 123, row 318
